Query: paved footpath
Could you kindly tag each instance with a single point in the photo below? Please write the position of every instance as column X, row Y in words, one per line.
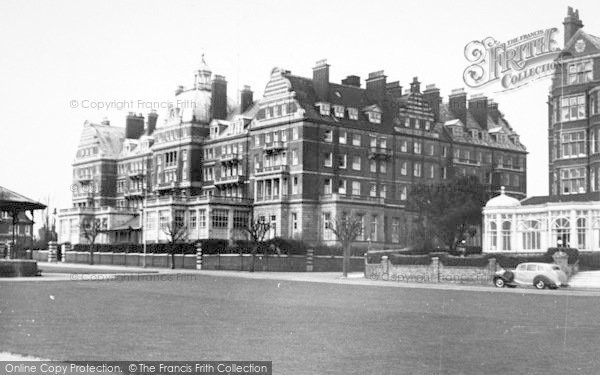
column 83, row 272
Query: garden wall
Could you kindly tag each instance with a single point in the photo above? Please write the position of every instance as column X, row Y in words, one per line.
column 279, row 263
column 433, row 272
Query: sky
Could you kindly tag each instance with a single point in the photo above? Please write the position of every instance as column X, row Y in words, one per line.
column 58, row 53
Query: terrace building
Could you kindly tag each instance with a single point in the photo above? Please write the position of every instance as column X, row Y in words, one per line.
column 306, row 152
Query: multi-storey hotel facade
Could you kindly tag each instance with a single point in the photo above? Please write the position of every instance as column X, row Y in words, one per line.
column 570, row 214
column 306, row 152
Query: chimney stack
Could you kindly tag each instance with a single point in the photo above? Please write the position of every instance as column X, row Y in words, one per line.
column 572, row 23
column 394, row 89
column 493, row 111
column 458, row 104
column 351, row 81
column 246, row 98
column 218, row 98
column 151, row 122
column 415, row 86
column 478, row 106
column 134, row 126
column 321, row 80
column 179, row 90
column 376, row 85
column 432, row 96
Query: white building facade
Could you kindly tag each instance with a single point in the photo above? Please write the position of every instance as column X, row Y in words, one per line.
column 537, row 223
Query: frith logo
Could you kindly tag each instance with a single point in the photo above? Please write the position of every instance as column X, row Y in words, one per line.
column 512, row 64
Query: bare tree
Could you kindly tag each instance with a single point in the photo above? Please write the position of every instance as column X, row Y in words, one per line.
column 176, row 232
column 257, row 230
column 90, row 228
column 346, row 229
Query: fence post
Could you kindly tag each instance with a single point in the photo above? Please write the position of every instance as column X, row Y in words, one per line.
column 65, row 248
column 492, row 267
column 52, row 245
column 309, row 259
column 435, row 262
column 199, row 256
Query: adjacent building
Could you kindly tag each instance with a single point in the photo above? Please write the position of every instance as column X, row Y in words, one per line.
column 306, row 152
column 570, row 215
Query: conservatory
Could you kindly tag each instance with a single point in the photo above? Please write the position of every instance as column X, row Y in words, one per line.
column 537, row 223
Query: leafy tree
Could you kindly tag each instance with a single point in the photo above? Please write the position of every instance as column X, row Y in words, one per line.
column 257, row 229
column 346, row 229
column 176, row 232
column 447, row 211
column 90, row 229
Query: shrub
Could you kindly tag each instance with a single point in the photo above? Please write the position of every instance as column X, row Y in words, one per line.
column 455, row 261
column 571, row 252
column 589, row 261
column 409, row 259
column 506, row 261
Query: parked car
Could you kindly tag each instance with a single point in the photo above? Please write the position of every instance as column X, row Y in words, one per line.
column 540, row 275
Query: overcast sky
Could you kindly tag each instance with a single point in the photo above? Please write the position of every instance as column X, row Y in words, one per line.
column 57, row 52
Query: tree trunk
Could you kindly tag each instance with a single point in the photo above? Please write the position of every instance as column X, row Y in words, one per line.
column 92, row 254
column 346, row 261
column 172, row 260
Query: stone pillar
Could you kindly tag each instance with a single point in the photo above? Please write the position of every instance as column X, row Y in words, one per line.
column 52, row 246
column 66, row 247
column 309, row 259
column 199, row 256
column 492, row 268
column 435, row 264
column 9, row 250
column 385, row 265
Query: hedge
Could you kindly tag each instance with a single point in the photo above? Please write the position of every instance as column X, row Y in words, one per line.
column 409, row 259
column 454, row 261
column 589, row 261
column 571, row 252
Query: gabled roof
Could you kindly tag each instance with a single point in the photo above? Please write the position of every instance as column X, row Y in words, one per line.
column 582, row 34
column 109, row 139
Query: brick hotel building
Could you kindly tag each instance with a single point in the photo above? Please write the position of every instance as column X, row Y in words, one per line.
column 307, row 151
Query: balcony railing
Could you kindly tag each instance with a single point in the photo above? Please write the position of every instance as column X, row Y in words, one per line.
column 273, row 147
column 137, row 174
column 230, row 158
column 352, row 198
column 380, row 152
column 466, row 161
column 272, row 169
column 230, row 180
column 85, row 179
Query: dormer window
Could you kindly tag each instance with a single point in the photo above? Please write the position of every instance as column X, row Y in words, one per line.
column 474, row 134
column 338, row 111
column 375, row 117
column 324, row 108
column 353, row 113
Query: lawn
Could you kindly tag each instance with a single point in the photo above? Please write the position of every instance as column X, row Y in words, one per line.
column 304, row 328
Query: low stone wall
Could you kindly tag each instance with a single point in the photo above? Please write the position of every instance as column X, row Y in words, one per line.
column 18, row 268
column 39, row 255
column 279, row 263
column 435, row 272
column 132, row 259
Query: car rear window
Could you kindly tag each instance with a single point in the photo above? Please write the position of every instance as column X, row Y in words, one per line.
column 531, row 267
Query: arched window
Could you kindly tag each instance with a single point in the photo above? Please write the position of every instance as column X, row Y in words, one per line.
column 531, row 233
column 506, row 235
column 493, row 236
column 561, row 228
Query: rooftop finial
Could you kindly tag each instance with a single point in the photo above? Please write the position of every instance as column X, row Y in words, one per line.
column 502, row 190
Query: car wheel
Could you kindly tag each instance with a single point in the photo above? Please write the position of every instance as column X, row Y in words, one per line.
column 539, row 283
column 499, row 282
